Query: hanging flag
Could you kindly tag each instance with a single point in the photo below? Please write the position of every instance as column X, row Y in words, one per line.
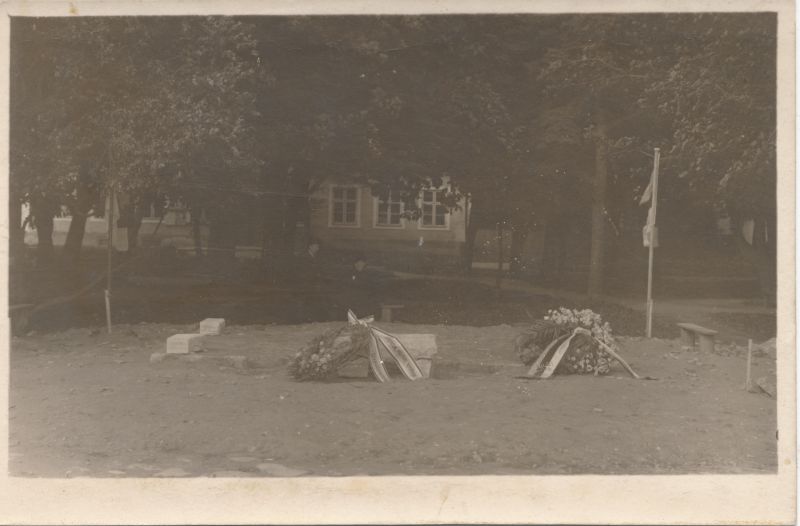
column 650, row 232
column 651, row 217
column 648, row 192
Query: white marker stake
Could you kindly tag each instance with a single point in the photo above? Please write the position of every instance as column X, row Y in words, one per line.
column 651, row 242
column 109, row 253
column 108, row 310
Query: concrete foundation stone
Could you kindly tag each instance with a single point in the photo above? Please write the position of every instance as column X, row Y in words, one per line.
column 421, row 347
column 184, row 343
column 212, row 326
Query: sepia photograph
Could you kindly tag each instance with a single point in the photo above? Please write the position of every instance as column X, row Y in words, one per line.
column 359, row 246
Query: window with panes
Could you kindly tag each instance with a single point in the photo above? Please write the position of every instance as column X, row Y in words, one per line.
column 434, row 213
column 344, row 205
column 389, row 212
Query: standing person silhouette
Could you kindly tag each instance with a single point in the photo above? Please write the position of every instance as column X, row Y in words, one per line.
column 308, row 281
column 311, row 265
column 361, row 288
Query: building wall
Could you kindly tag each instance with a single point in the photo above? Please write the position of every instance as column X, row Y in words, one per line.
column 411, row 244
column 410, row 236
column 175, row 230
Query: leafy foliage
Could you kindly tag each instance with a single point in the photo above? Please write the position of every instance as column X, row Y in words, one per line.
column 584, row 355
column 144, row 105
column 725, row 71
column 511, row 110
column 531, row 343
column 326, row 354
column 682, row 82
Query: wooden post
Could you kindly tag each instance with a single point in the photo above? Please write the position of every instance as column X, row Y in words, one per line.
column 108, row 310
column 748, row 384
column 109, row 252
column 653, row 205
column 499, row 276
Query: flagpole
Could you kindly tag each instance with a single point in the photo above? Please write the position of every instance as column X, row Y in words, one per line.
column 651, row 243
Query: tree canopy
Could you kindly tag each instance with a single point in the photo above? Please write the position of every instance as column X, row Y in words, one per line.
column 537, row 117
column 144, row 104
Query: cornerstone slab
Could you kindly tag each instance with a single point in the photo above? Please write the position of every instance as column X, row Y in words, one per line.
column 184, row 343
column 212, row 326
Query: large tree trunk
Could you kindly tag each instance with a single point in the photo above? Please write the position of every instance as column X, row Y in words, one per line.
column 133, row 214
column 599, row 183
column 43, row 212
column 761, row 255
column 133, row 231
column 85, row 201
column 471, row 232
column 16, row 230
column 74, row 241
column 44, row 231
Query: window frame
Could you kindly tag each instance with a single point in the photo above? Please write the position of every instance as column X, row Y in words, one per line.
column 331, row 223
column 435, row 203
column 376, row 214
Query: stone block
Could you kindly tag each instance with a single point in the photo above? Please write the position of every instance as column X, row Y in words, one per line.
column 212, row 326
column 421, row 347
column 355, row 369
column 425, row 365
column 184, row 343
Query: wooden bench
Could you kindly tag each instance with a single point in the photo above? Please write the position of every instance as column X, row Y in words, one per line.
column 386, row 311
column 690, row 333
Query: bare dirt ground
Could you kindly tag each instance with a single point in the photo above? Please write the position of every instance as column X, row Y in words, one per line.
column 83, row 403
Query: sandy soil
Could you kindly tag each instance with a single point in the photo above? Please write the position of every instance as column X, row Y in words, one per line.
column 84, row 403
